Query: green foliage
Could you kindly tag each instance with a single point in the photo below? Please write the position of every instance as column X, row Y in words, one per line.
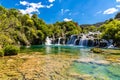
column 117, row 36
column 2, row 10
column 1, row 53
column 89, row 29
column 40, row 34
column 11, row 50
column 111, row 30
column 5, row 40
column 66, row 29
column 29, row 22
column 19, row 29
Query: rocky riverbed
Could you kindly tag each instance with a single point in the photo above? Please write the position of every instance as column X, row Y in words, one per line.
column 35, row 66
column 40, row 66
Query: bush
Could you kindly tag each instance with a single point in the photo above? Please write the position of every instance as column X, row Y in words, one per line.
column 11, row 50
column 1, row 53
column 96, row 50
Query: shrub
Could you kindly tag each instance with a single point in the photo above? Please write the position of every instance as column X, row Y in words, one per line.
column 1, row 53
column 96, row 50
column 11, row 50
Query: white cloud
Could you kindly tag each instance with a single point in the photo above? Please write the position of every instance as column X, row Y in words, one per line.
column 32, row 7
column 118, row 6
column 117, row 0
column 51, row 1
column 36, row 5
column 63, row 11
column 110, row 11
column 49, row 6
column 99, row 12
column 29, row 10
column 67, row 20
column 24, row 2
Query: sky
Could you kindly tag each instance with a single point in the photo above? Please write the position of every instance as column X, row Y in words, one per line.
column 80, row 11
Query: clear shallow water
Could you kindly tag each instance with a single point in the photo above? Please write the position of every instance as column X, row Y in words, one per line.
column 89, row 63
column 54, row 49
column 99, row 72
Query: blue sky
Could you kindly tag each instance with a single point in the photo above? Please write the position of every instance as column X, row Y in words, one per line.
column 81, row 11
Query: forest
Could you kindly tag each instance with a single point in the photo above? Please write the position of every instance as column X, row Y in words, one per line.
column 19, row 29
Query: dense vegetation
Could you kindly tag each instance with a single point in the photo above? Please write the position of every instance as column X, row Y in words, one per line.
column 19, row 29
column 111, row 30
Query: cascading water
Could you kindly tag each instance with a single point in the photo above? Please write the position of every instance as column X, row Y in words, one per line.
column 75, row 41
column 48, row 41
column 58, row 41
column 110, row 45
column 83, row 41
column 72, row 39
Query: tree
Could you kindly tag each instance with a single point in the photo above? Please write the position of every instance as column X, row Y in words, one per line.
column 111, row 30
column 117, row 16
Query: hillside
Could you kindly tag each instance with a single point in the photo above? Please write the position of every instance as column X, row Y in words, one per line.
column 19, row 29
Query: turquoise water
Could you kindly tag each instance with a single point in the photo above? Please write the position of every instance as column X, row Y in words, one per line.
column 100, row 71
column 54, row 49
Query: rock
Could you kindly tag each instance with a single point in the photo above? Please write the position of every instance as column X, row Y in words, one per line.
column 102, row 62
column 90, row 60
column 96, row 50
column 86, row 60
column 81, row 76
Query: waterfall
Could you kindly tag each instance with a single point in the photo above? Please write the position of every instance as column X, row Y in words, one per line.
column 58, row 41
column 48, row 41
column 92, row 43
column 75, row 41
column 83, row 41
column 72, row 39
column 110, row 45
column 89, row 39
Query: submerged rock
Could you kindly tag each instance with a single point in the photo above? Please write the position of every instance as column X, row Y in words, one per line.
column 96, row 50
column 77, row 76
column 91, row 60
column 86, row 60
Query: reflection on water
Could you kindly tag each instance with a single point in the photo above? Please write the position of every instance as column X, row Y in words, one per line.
column 52, row 50
column 48, row 49
column 61, row 49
